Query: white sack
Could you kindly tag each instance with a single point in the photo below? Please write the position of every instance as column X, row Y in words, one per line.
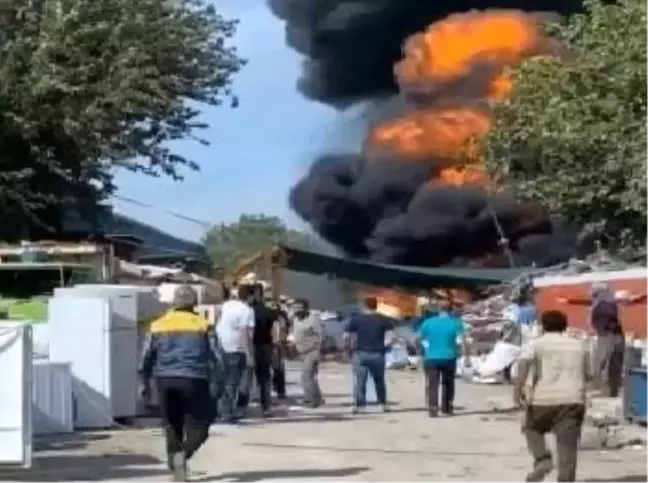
column 502, row 356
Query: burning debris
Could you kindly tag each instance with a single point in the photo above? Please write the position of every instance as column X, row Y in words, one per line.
column 419, row 193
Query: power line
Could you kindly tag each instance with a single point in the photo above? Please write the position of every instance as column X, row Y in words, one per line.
column 196, row 221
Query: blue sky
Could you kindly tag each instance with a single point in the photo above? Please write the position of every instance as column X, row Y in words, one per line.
column 258, row 150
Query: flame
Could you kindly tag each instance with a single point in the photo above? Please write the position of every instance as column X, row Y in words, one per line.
column 444, row 133
column 452, row 72
column 393, row 302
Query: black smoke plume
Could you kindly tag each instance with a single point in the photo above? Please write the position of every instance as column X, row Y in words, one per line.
column 351, row 46
column 385, row 209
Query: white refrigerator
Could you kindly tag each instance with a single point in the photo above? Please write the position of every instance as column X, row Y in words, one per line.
column 95, row 330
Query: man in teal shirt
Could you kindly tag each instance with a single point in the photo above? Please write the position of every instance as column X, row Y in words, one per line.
column 439, row 335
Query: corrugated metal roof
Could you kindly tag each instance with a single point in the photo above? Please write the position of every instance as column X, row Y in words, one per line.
column 396, row 275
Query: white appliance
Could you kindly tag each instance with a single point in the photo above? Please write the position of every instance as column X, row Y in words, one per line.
column 52, row 398
column 96, row 331
column 15, row 394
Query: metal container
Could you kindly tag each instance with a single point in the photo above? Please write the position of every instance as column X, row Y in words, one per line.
column 52, row 404
column 636, row 393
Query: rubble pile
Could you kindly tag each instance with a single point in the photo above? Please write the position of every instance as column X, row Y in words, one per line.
column 485, row 319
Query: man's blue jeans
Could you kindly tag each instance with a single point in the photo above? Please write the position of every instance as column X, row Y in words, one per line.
column 234, row 365
column 365, row 364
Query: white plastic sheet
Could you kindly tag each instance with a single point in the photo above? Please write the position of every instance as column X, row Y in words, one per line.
column 502, row 356
column 397, row 357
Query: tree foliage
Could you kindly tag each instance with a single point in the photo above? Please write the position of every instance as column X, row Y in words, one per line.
column 573, row 134
column 88, row 87
column 231, row 243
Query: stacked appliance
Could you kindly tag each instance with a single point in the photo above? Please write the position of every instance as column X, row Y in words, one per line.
column 95, row 329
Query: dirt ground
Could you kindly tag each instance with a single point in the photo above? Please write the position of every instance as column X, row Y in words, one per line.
column 482, row 442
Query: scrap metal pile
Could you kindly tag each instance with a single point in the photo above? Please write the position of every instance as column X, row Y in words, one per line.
column 485, row 320
column 488, row 317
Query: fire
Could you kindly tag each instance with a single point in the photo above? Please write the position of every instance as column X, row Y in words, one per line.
column 393, row 302
column 435, row 132
column 451, row 73
column 460, row 175
column 473, row 45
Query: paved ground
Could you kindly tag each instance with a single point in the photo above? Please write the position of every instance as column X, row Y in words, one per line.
column 481, row 443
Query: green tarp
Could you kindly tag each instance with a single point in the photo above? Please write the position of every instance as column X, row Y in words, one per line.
column 396, row 275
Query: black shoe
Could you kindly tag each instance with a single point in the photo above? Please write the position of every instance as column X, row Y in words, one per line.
column 540, row 470
column 433, row 413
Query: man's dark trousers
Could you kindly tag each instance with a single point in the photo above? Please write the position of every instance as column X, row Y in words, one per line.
column 365, row 364
column 262, row 372
column 278, row 372
column 234, row 365
column 443, row 372
column 566, row 421
column 185, row 407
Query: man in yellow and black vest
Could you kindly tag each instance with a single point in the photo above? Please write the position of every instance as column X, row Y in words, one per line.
column 181, row 353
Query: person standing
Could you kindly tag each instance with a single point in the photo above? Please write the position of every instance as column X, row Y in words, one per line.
column 235, row 329
column 609, row 350
column 280, row 340
column 557, row 367
column 262, row 341
column 439, row 335
column 309, row 338
column 520, row 316
column 365, row 337
column 180, row 352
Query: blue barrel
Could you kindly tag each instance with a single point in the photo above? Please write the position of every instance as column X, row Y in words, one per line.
column 636, row 395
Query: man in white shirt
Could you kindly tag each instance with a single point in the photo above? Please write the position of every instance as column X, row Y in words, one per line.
column 234, row 329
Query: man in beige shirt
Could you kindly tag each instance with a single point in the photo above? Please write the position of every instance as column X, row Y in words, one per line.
column 308, row 331
column 556, row 367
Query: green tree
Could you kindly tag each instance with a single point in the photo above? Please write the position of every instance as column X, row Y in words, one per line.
column 573, row 134
column 231, row 243
column 89, row 87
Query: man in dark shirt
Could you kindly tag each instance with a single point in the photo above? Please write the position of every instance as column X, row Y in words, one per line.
column 264, row 319
column 280, row 330
column 365, row 336
column 260, row 364
column 609, row 350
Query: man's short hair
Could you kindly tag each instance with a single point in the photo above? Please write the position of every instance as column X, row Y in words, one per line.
column 184, row 297
column 370, row 302
column 553, row 321
column 244, row 292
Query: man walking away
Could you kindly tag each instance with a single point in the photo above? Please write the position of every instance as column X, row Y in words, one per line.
column 439, row 336
column 365, row 337
column 180, row 352
column 309, row 338
column 235, row 329
column 558, row 366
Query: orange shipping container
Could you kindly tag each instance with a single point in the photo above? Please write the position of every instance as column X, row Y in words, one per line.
column 633, row 316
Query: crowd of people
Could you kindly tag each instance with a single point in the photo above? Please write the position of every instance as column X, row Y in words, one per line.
column 202, row 373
